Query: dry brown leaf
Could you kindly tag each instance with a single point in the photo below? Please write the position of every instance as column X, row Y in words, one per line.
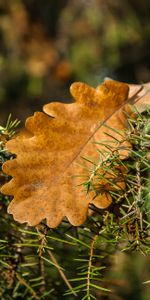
column 49, row 167
column 140, row 92
column 143, row 95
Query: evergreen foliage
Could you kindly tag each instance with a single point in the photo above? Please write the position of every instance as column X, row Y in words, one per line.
column 74, row 262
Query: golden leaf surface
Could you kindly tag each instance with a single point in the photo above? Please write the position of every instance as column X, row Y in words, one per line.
column 49, row 167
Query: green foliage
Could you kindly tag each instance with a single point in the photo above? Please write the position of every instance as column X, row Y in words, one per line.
column 128, row 217
column 77, row 262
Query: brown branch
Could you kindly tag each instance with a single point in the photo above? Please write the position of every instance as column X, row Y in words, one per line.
column 63, row 276
column 90, row 264
column 23, row 282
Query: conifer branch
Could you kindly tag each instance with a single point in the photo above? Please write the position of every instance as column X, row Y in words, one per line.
column 91, row 253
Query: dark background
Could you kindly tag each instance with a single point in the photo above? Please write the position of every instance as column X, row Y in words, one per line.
column 45, row 45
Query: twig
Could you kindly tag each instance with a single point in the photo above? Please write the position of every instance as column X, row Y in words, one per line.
column 42, row 272
column 41, row 262
column 139, row 192
column 23, row 282
column 128, row 215
column 90, row 266
column 61, row 272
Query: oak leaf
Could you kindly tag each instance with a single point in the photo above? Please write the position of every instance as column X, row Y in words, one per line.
column 48, row 169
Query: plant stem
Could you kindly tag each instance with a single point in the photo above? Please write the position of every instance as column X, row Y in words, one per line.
column 61, row 272
column 90, row 265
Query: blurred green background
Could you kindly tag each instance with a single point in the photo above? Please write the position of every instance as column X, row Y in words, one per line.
column 47, row 44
